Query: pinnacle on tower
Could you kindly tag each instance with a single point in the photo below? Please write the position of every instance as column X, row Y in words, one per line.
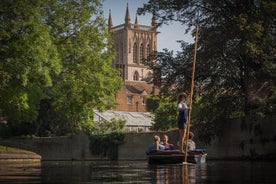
column 136, row 22
column 110, row 24
column 127, row 18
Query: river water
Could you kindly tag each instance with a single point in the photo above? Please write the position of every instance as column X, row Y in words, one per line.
column 138, row 172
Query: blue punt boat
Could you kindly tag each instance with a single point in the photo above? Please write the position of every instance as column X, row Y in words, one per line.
column 175, row 157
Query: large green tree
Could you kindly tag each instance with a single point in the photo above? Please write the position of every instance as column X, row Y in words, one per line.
column 56, row 58
column 236, row 53
column 28, row 59
column 87, row 80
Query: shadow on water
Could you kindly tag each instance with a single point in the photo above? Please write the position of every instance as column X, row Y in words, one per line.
column 138, row 172
column 20, row 172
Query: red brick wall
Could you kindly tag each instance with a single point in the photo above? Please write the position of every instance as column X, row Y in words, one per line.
column 136, row 106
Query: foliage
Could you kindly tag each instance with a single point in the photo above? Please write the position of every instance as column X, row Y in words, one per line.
column 87, row 80
column 4, row 131
column 55, row 64
column 172, row 72
column 152, row 103
column 235, row 70
column 164, row 109
column 106, row 144
column 105, row 127
column 29, row 60
column 165, row 116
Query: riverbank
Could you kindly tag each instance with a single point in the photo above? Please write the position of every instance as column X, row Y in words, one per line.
column 238, row 139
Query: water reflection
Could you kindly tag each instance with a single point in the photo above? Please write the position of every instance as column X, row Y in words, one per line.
column 137, row 172
column 20, row 172
column 182, row 173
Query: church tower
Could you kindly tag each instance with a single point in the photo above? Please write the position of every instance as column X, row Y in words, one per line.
column 132, row 43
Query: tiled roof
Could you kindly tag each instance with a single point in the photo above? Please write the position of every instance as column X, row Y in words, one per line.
column 138, row 87
column 137, row 119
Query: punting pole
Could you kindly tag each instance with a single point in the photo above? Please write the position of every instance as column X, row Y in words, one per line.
column 191, row 95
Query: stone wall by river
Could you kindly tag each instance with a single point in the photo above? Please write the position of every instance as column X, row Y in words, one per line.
column 238, row 140
column 245, row 139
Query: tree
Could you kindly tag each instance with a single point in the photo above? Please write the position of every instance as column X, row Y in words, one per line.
column 87, row 80
column 28, row 60
column 56, row 63
column 172, row 74
column 236, row 52
column 165, row 116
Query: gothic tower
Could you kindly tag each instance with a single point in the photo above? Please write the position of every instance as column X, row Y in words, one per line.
column 133, row 43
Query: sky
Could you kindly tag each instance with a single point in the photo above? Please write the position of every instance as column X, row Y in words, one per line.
column 169, row 34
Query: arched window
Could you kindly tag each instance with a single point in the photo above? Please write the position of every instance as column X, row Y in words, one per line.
column 129, row 46
column 148, row 50
column 136, row 76
column 121, row 54
column 117, row 54
column 135, row 57
column 141, row 53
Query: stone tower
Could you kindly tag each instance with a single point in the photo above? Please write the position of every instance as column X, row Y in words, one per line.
column 132, row 43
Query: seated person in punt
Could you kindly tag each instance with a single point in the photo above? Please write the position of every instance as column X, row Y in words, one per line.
column 192, row 145
column 155, row 146
column 168, row 146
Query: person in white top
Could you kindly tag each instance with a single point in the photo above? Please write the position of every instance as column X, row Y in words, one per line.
column 182, row 109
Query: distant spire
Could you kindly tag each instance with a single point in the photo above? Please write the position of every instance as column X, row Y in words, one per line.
column 136, row 22
column 110, row 24
column 127, row 18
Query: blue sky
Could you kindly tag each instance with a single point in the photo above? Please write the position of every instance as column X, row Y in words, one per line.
column 168, row 35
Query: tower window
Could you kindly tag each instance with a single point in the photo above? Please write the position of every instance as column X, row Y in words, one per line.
column 148, row 50
column 141, row 52
column 129, row 45
column 121, row 54
column 135, row 57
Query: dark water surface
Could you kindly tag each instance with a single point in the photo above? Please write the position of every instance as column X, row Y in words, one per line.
column 138, row 172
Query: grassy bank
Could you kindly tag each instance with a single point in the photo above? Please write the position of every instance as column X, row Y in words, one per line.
column 4, row 149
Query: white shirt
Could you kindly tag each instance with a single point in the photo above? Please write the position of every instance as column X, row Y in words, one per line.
column 182, row 106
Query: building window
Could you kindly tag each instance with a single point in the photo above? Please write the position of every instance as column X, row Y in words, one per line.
column 144, row 100
column 121, row 54
column 129, row 46
column 136, row 76
column 135, row 57
column 141, row 53
column 129, row 100
column 117, row 54
column 148, row 50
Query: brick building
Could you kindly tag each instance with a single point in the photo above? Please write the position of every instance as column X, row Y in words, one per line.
column 133, row 43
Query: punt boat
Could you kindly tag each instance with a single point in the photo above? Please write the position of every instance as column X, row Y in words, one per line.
column 176, row 157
